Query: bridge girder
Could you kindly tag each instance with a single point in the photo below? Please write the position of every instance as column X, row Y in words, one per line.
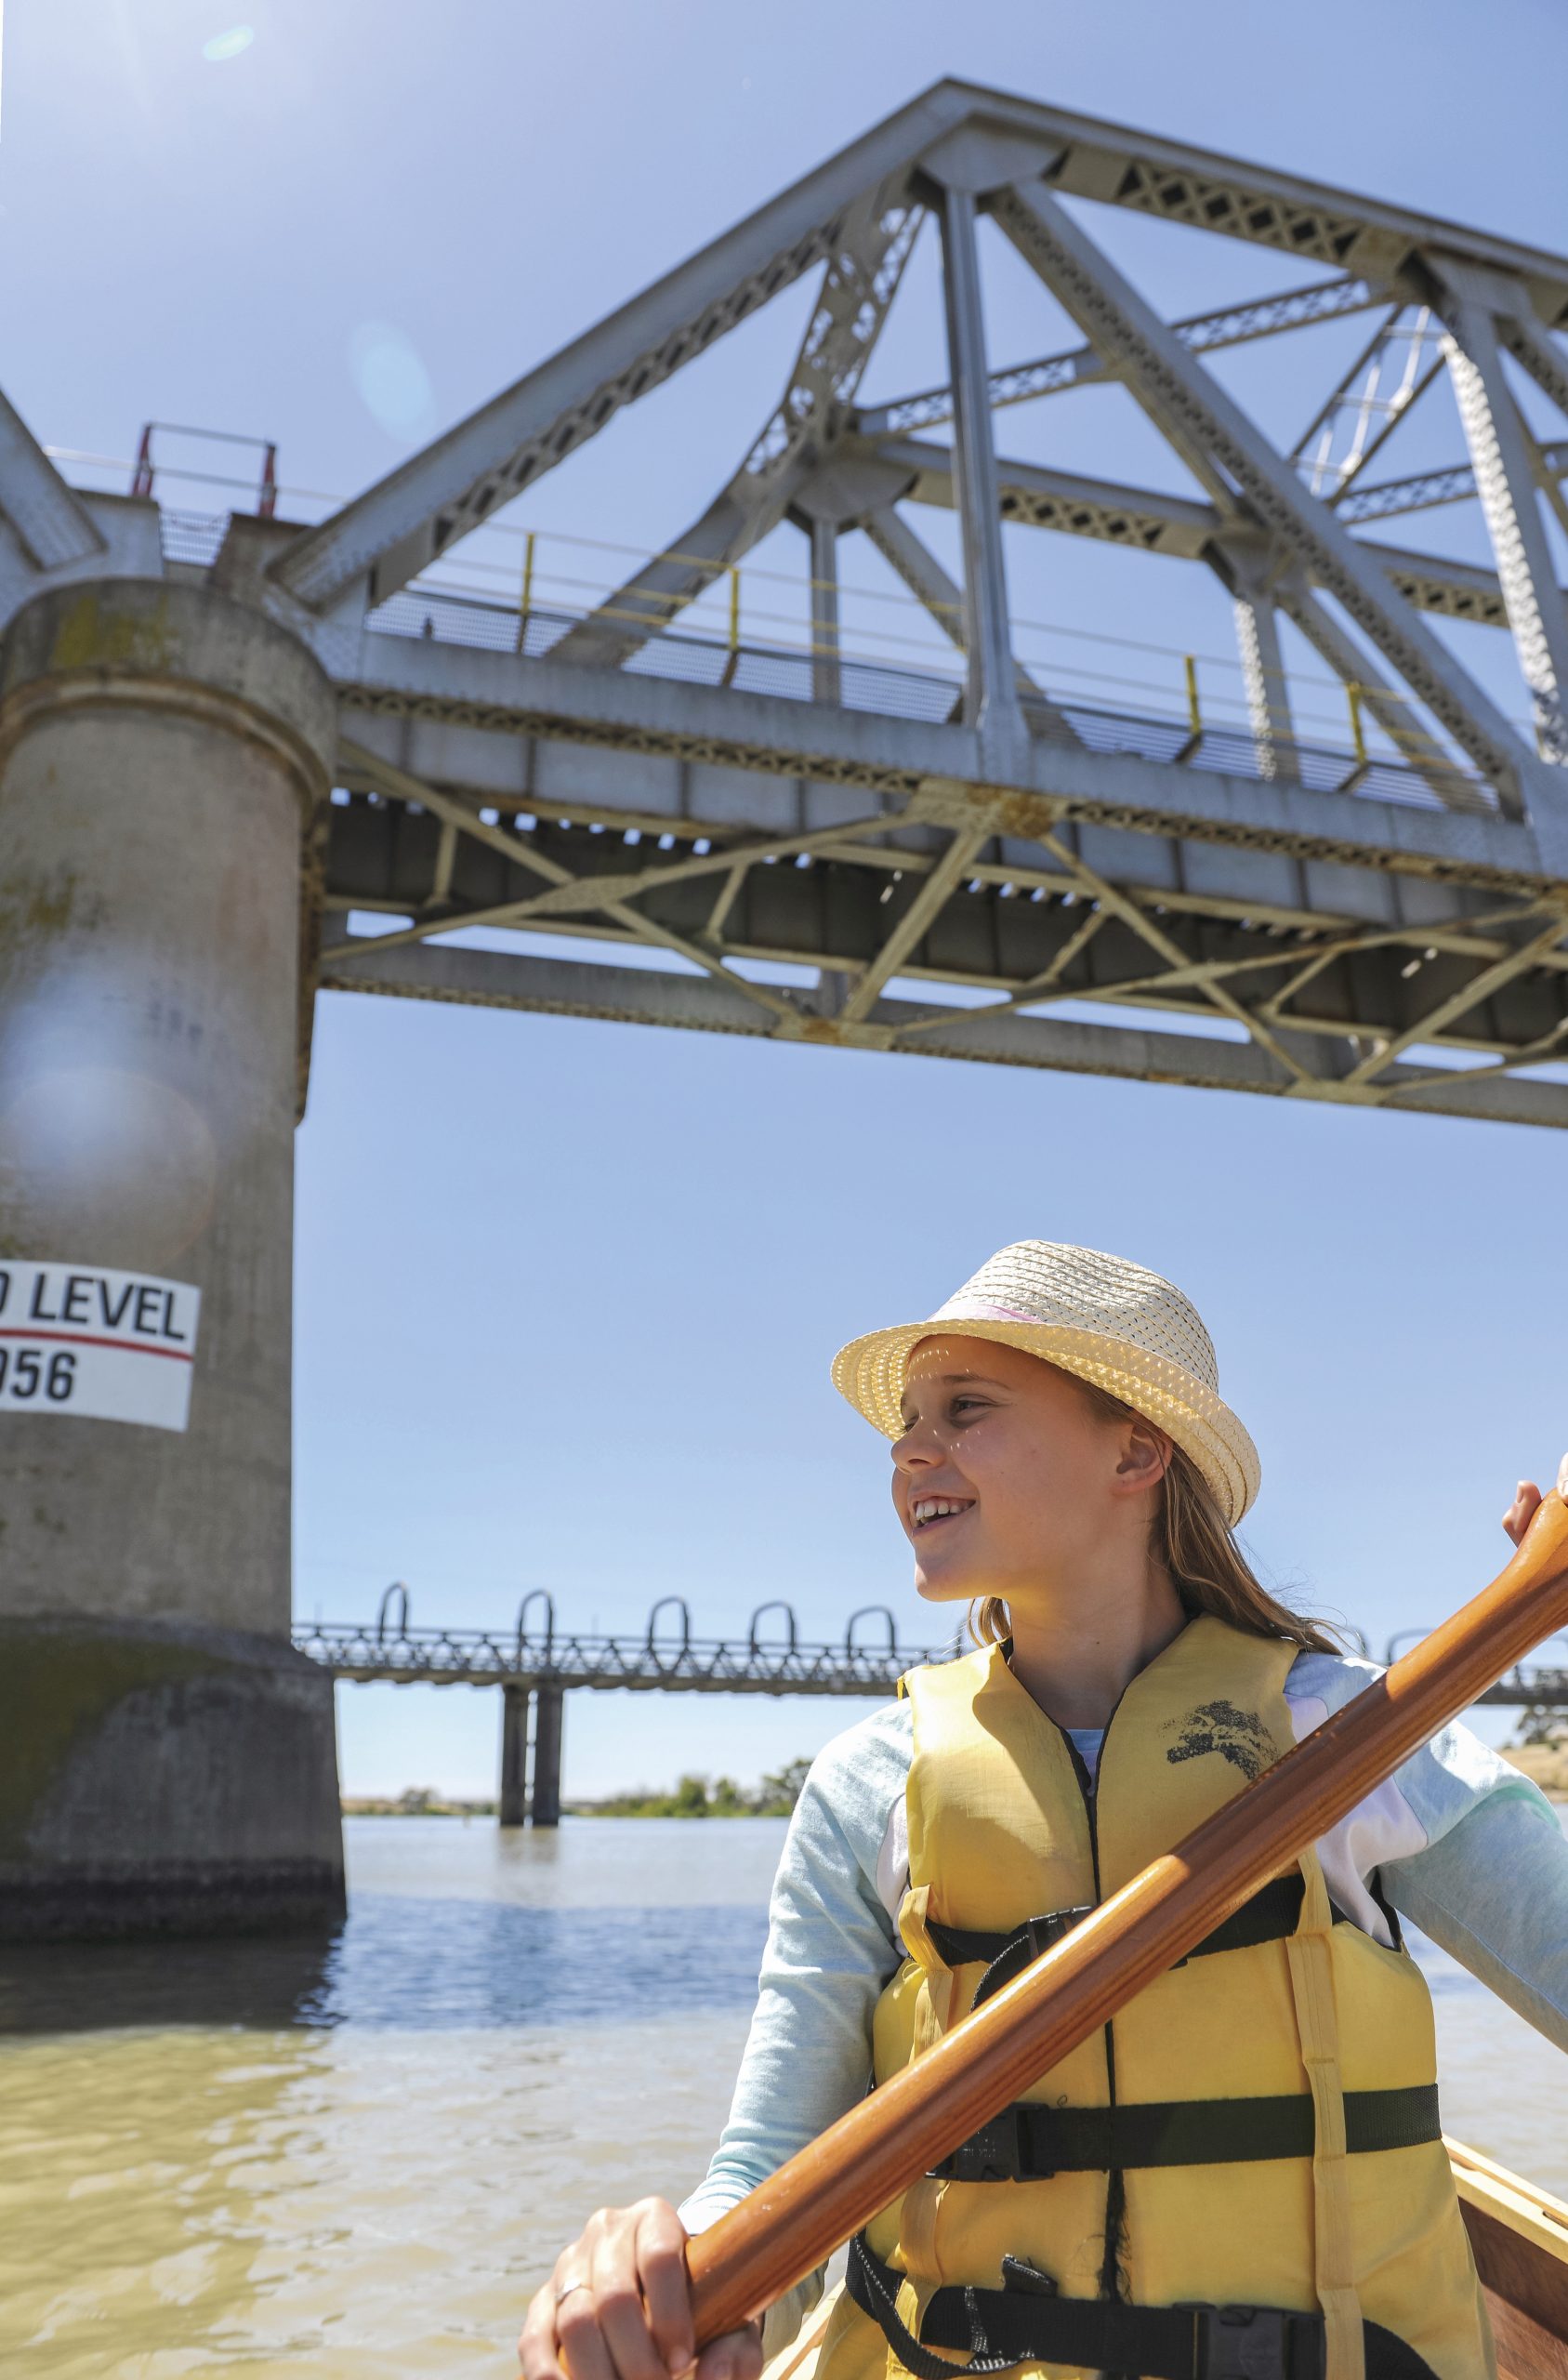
column 1328, row 923
column 999, row 855
column 804, row 844
column 485, row 461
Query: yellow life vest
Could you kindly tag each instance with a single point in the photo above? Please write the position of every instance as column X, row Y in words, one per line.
column 1295, row 2201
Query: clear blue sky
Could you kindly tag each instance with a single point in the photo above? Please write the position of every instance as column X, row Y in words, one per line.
column 567, row 1293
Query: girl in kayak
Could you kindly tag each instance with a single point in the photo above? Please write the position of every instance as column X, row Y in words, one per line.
column 1243, row 2177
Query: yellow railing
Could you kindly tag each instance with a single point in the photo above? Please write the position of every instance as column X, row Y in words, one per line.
column 653, row 611
column 873, row 638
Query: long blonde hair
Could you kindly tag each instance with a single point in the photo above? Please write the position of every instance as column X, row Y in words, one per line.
column 1192, row 1539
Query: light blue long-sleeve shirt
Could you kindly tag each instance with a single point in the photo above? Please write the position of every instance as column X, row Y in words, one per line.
column 1460, row 1843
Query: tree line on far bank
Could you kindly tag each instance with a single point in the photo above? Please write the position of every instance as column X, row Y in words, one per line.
column 694, row 1797
column 706, row 1797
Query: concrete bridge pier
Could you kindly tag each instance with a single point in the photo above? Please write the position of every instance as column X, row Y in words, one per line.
column 536, row 1798
column 166, row 1760
column 513, row 1806
column 544, row 1800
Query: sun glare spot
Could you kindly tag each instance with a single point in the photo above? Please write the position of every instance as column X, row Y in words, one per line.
column 225, row 45
column 391, row 378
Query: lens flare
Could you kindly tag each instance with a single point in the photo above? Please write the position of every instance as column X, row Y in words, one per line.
column 94, row 1158
column 225, row 45
column 123, row 1098
column 391, row 380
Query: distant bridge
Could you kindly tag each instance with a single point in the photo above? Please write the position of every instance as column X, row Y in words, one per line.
column 664, row 1659
column 536, row 1664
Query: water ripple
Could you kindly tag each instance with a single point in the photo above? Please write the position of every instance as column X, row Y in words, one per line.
column 430, row 1965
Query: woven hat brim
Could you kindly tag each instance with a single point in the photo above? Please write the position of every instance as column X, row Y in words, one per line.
column 870, row 1373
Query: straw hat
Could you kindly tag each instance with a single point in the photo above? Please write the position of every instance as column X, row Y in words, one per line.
column 1109, row 1322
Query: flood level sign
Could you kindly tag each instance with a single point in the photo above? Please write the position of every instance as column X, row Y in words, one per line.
column 83, row 1342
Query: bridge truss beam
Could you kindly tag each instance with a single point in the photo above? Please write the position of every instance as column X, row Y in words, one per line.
column 1322, row 927
column 847, row 853
column 1224, row 448
column 424, row 507
column 1301, row 936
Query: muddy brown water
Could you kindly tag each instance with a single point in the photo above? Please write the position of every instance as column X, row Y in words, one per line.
column 354, row 2161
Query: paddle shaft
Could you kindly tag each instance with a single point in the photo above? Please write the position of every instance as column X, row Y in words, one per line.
column 794, row 2221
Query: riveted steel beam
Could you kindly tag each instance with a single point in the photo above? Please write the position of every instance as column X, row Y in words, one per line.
column 1424, row 491
column 422, row 508
column 1079, row 368
column 1209, row 430
column 630, row 848
column 1429, row 1024
column 1149, row 520
column 633, row 921
column 625, row 737
column 1242, row 200
column 1401, row 724
column 1359, row 396
column 927, row 580
column 1031, row 902
column 777, row 861
column 1263, row 670
column 827, row 682
column 1325, row 989
column 1527, row 340
column 51, row 520
column 991, row 704
column 1502, row 458
column 558, row 988
column 931, row 896
column 858, row 285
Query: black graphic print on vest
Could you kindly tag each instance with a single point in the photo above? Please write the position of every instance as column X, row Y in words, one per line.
column 1239, row 1737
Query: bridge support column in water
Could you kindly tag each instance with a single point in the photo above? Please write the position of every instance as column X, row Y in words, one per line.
column 513, row 1806
column 166, row 1759
column 548, row 1712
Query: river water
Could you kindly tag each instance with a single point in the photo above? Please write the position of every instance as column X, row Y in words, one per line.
column 357, row 2161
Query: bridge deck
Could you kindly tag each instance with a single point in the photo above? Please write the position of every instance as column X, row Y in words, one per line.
column 684, row 1665
column 681, row 1664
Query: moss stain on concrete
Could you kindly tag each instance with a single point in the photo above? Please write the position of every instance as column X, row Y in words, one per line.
column 30, row 904
column 58, row 1688
column 89, row 637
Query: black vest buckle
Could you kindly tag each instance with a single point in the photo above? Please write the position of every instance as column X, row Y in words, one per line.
column 1000, row 2151
column 1240, row 2342
column 1044, row 1933
column 1024, row 1945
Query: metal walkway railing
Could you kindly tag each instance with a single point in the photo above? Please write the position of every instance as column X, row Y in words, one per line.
column 667, row 1658
column 884, row 688
column 929, row 696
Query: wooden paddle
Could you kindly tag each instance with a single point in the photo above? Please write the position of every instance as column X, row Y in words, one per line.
column 791, row 2223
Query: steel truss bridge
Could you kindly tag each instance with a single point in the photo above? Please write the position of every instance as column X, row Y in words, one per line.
column 536, row 1665
column 945, row 861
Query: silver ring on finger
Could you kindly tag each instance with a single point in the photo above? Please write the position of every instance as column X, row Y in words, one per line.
column 563, row 2295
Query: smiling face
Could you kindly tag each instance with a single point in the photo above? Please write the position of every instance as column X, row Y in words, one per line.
column 1007, row 1480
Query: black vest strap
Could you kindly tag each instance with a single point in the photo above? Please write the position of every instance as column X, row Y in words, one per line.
column 1027, row 2322
column 1269, row 1916
column 1029, row 2142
